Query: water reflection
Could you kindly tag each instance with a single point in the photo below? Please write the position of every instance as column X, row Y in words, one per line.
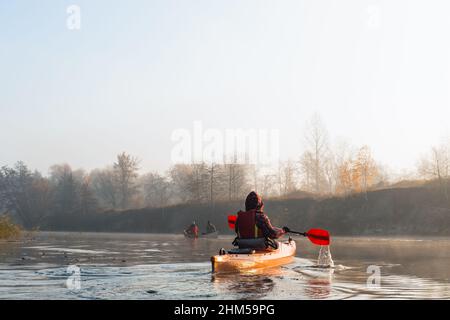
column 314, row 282
column 247, row 285
column 318, row 287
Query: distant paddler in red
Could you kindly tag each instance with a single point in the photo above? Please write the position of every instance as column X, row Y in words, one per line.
column 191, row 231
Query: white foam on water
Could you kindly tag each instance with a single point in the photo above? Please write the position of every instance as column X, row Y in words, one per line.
column 70, row 250
column 325, row 260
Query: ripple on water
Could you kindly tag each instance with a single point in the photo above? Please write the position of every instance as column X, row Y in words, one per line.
column 70, row 250
column 300, row 280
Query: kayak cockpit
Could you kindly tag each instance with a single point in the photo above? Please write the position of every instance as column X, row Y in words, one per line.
column 241, row 251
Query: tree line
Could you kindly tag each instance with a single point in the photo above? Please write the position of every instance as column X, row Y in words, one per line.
column 322, row 170
column 31, row 198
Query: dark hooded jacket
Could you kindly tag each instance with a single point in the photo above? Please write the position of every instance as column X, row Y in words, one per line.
column 254, row 201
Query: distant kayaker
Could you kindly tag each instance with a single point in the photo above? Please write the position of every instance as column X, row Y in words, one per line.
column 210, row 228
column 254, row 223
column 192, row 231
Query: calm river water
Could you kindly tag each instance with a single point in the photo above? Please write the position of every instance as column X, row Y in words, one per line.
column 150, row 266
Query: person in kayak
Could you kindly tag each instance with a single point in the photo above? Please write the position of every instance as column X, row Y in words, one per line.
column 253, row 223
column 210, row 228
column 192, row 231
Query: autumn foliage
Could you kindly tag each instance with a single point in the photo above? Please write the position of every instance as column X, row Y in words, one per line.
column 357, row 174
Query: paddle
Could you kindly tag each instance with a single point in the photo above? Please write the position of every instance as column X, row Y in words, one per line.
column 317, row 236
column 232, row 221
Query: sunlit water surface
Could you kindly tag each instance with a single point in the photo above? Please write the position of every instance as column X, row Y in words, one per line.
column 137, row 266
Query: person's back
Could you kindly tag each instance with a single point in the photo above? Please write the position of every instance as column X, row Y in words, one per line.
column 193, row 229
column 253, row 223
column 210, row 228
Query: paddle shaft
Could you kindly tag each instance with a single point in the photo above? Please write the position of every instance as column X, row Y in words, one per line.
column 306, row 234
column 299, row 233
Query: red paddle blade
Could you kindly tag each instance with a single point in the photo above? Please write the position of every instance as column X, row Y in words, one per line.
column 319, row 237
column 232, row 221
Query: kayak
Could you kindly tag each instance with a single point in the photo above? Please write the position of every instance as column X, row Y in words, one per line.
column 190, row 235
column 211, row 235
column 246, row 260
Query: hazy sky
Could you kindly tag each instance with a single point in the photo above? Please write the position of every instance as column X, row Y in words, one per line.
column 378, row 73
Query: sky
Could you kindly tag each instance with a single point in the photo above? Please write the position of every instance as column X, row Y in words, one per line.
column 377, row 72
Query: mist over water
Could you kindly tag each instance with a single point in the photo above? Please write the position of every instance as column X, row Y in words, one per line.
column 150, row 266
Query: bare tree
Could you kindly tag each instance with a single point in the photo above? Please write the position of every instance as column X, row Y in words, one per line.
column 192, row 181
column 217, row 183
column 24, row 194
column 212, row 171
column 345, row 183
column 383, row 177
column 156, row 189
column 437, row 166
column 365, row 170
column 286, row 179
column 329, row 170
column 181, row 176
column 231, row 168
column 268, row 184
column 67, row 188
column 41, row 197
column 126, row 168
column 343, row 161
column 199, row 183
column 104, row 184
column 236, row 176
column 313, row 160
column 307, row 171
column 88, row 201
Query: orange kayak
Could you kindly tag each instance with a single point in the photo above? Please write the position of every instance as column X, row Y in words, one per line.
column 238, row 262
